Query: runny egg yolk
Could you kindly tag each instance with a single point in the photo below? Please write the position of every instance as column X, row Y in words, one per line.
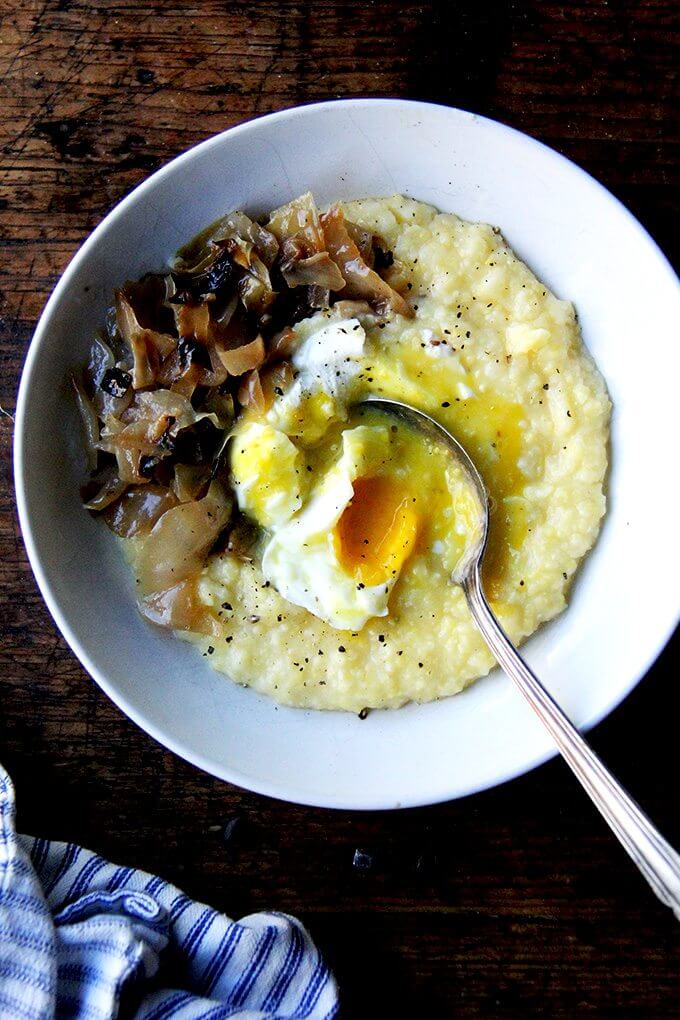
column 377, row 530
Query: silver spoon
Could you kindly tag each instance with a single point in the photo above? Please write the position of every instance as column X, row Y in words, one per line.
column 654, row 856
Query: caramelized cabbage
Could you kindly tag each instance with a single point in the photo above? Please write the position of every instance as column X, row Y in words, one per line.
column 138, row 509
column 184, row 352
column 362, row 281
column 180, row 540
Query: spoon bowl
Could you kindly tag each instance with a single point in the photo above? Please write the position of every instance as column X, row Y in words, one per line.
column 655, row 857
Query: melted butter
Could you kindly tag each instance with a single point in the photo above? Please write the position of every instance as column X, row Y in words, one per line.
column 491, row 431
column 490, row 428
column 181, row 607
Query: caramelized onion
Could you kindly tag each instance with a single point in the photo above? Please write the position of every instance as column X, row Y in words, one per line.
column 221, row 404
column 283, row 344
column 150, row 427
column 299, row 219
column 358, row 310
column 255, row 288
column 363, row 240
column 138, row 509
column 180, row 609
column 193, row 321
column 101, row 367
column 237, row 224
column 362, row 281
column 147, row 345
column 317, row 270
column 144, row 371
column 189, row 481
column 90, row 422
column 250, row 392
column 111, row 487
column 243, row 359
column 181, row 539
column 126, row 319
column 275, row 381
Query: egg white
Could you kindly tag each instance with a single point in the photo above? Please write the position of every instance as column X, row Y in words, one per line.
column 326, row 363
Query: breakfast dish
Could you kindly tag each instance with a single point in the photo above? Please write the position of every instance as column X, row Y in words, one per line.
column 303, row 541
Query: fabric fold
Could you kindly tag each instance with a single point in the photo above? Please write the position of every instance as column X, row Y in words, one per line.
column 78, row 934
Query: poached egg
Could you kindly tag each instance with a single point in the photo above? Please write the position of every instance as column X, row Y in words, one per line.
column 343, row 506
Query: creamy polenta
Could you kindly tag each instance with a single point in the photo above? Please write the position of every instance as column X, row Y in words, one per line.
column 499, row 361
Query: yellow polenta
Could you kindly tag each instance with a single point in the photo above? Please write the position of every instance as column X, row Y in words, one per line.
column 500, row 362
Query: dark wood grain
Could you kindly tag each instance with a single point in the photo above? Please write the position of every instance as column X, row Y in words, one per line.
column 515, row 903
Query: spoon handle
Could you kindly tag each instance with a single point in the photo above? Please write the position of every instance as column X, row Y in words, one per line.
column 654, row 856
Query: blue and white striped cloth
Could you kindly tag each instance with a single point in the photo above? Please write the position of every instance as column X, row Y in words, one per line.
column 82, row 938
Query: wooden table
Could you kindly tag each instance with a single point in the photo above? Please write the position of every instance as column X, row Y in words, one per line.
column 517, row 902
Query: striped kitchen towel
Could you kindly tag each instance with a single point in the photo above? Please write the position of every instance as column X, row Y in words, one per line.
column 83, row 938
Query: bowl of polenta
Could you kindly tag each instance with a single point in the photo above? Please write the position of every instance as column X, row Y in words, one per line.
column 256, row 565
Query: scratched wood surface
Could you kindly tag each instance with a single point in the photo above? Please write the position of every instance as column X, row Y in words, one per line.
column 517, row 902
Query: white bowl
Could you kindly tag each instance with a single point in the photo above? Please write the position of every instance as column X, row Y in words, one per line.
column 580, row 241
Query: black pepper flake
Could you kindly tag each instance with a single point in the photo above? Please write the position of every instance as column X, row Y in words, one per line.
column 363, row 714
column 445, row 403
column 546, row 386
column 210, row 649
column 568, row 414
column 341, row 648
column 521, row 584
column 420, row 665
column 381, row 637
column 253, row 618
column 227, row 605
